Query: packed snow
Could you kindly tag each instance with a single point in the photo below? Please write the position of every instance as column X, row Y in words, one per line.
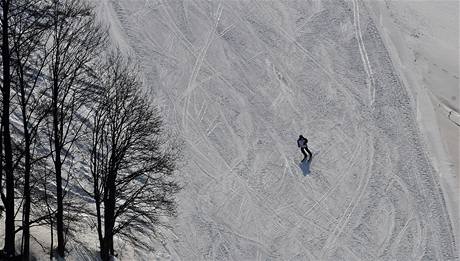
column 373, row 85
column 423, row 41
column 240, row 80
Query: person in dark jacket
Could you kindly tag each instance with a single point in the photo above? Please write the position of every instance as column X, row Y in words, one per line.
column 302, row 144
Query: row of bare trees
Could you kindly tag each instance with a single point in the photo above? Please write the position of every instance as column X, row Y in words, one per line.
column 75, row 118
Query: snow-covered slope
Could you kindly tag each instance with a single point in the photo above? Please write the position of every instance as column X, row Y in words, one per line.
column 240, row 80
column 423, row 41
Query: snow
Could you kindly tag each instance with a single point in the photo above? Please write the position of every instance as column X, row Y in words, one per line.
column 423, row 40
column 240, row 80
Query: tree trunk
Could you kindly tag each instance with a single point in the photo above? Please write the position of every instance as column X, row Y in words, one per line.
column 59, row 196
column 99, row 222
column 109, row 215
column 27, row 169
column 9, row 247
column 105, row 255
column 57, row 141
column 99, row 218
column 58, row 170
column 26, row 209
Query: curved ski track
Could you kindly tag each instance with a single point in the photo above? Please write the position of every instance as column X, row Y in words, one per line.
column 239, row 81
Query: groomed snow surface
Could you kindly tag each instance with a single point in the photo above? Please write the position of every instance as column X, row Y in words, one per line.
column 239, row 81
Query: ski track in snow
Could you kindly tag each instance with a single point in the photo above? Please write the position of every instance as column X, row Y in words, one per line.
column 239, row 81
column 362, row 51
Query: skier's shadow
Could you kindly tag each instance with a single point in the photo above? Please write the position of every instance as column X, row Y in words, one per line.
column 305, row 167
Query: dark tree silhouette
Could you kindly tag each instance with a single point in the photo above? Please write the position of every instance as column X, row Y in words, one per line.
column 131, row 164
column 75, row 41
column 56, row 100
column 8, row 199
column 29, row 32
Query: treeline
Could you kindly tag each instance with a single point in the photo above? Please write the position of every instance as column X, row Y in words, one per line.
column 79, row 140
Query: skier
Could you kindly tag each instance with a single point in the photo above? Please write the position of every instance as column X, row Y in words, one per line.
column 302, row 144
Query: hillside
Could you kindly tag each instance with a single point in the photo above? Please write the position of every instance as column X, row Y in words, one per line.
column 239, row 81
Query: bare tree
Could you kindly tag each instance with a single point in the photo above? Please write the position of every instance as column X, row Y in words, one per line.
column 29, row 34
column 8, row 199
column 48, row 58
column 75, row 41
column 131, row 163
